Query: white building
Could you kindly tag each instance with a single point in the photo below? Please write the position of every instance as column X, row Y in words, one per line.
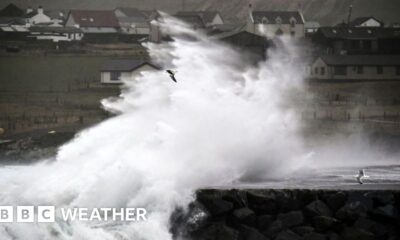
column 133, row 20
column 276, row 23
column 115, row 71
column 93, row 21
column 311, row 27
column 208, row 18
column 356, row 67
column 366, row 22
column 38, row 16
column 56, row 34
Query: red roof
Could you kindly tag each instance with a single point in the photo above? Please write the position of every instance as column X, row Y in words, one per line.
column 95, row 18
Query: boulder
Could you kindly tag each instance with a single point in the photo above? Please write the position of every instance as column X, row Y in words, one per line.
column 350, row 212
column 381, row 198
column 336, row 200
column 216, row 206
column 352, row 233
column 264, row 221
column 333, row 236
column 315, row 236
column 291, row 219
column 274, row 228
column 388, row 211
column 238, row 198
column 287, row 235
column 216, row 231
column 244, row 216
column 369, row 225
column 303, row 230
column 249, row 233
column 262, row 203
column 317, row 208
column 324, row 223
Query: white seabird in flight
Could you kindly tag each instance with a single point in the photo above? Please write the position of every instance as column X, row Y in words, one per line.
column 360, row 176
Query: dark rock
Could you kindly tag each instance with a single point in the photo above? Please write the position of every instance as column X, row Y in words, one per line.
column 336, row 200
column 287, row 235
column 356, row 234
column 303, row 230
column 291, row 219
column 317, row 208
column 274, row 228
column 381, row 198
column 262, row 203
column 315, row 236
column 360, row 197
column 216, row 231
column 333, row 236
column 324, row 223
column 351, row 212
column 244, row 216
column 238, row 198
column 216, row 206
column 388, row 211
column 288, row 201
column 264, row 221
column 372, row 226
column 249, row 233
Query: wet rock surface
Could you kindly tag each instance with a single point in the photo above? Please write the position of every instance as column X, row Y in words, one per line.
column 292, row 214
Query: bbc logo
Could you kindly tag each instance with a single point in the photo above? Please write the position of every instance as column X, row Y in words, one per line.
column 26, row 214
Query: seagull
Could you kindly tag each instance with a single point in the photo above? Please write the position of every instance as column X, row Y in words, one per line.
column 360, row 176
column 172, row 74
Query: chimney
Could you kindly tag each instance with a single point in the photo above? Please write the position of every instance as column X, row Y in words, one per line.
column 250, row 26
column 40, row 10
column 349, row 16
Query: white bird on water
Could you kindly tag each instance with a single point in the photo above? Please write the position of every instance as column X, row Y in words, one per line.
column 361, row 175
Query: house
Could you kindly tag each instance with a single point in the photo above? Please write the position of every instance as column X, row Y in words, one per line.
column 12, row 11
column 356, row 67
column 311, row 27
column 366, row 22
column 115, row 71
column 357, row 40
column 276, row 23
column 253, row 44
column 38, row 16
column 56, row 34
column 208, row 18
column 133, row 21
column 93, row 21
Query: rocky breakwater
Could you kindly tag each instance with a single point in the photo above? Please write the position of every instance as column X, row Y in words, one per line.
column 289, row 215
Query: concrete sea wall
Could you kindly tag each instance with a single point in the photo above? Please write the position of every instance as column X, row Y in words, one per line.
column 290, row 215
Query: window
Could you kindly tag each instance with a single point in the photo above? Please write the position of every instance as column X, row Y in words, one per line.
column 360, row 69
column 322, row 71
column 278, row 20
column 115, row 76
column 379, row 69
column 316, row 70
column 264, row 20
column 292, row 33
column 293, row 23
column 340, row 70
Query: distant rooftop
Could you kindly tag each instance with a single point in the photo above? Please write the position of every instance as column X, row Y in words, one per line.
column 95, row 18
column 206, row 16
column 357, row 32
column 125, row 65
column 272, row 16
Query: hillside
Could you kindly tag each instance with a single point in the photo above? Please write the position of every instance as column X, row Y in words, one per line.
column 327, row 12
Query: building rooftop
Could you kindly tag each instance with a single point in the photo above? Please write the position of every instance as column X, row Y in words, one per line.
column 272, row 16
column 125, row 65
column 364, row 60
column 95, row 18
column 206, row 16
column 361, row 20
column 357, row 32
column 11, row 10
column 55, row 29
